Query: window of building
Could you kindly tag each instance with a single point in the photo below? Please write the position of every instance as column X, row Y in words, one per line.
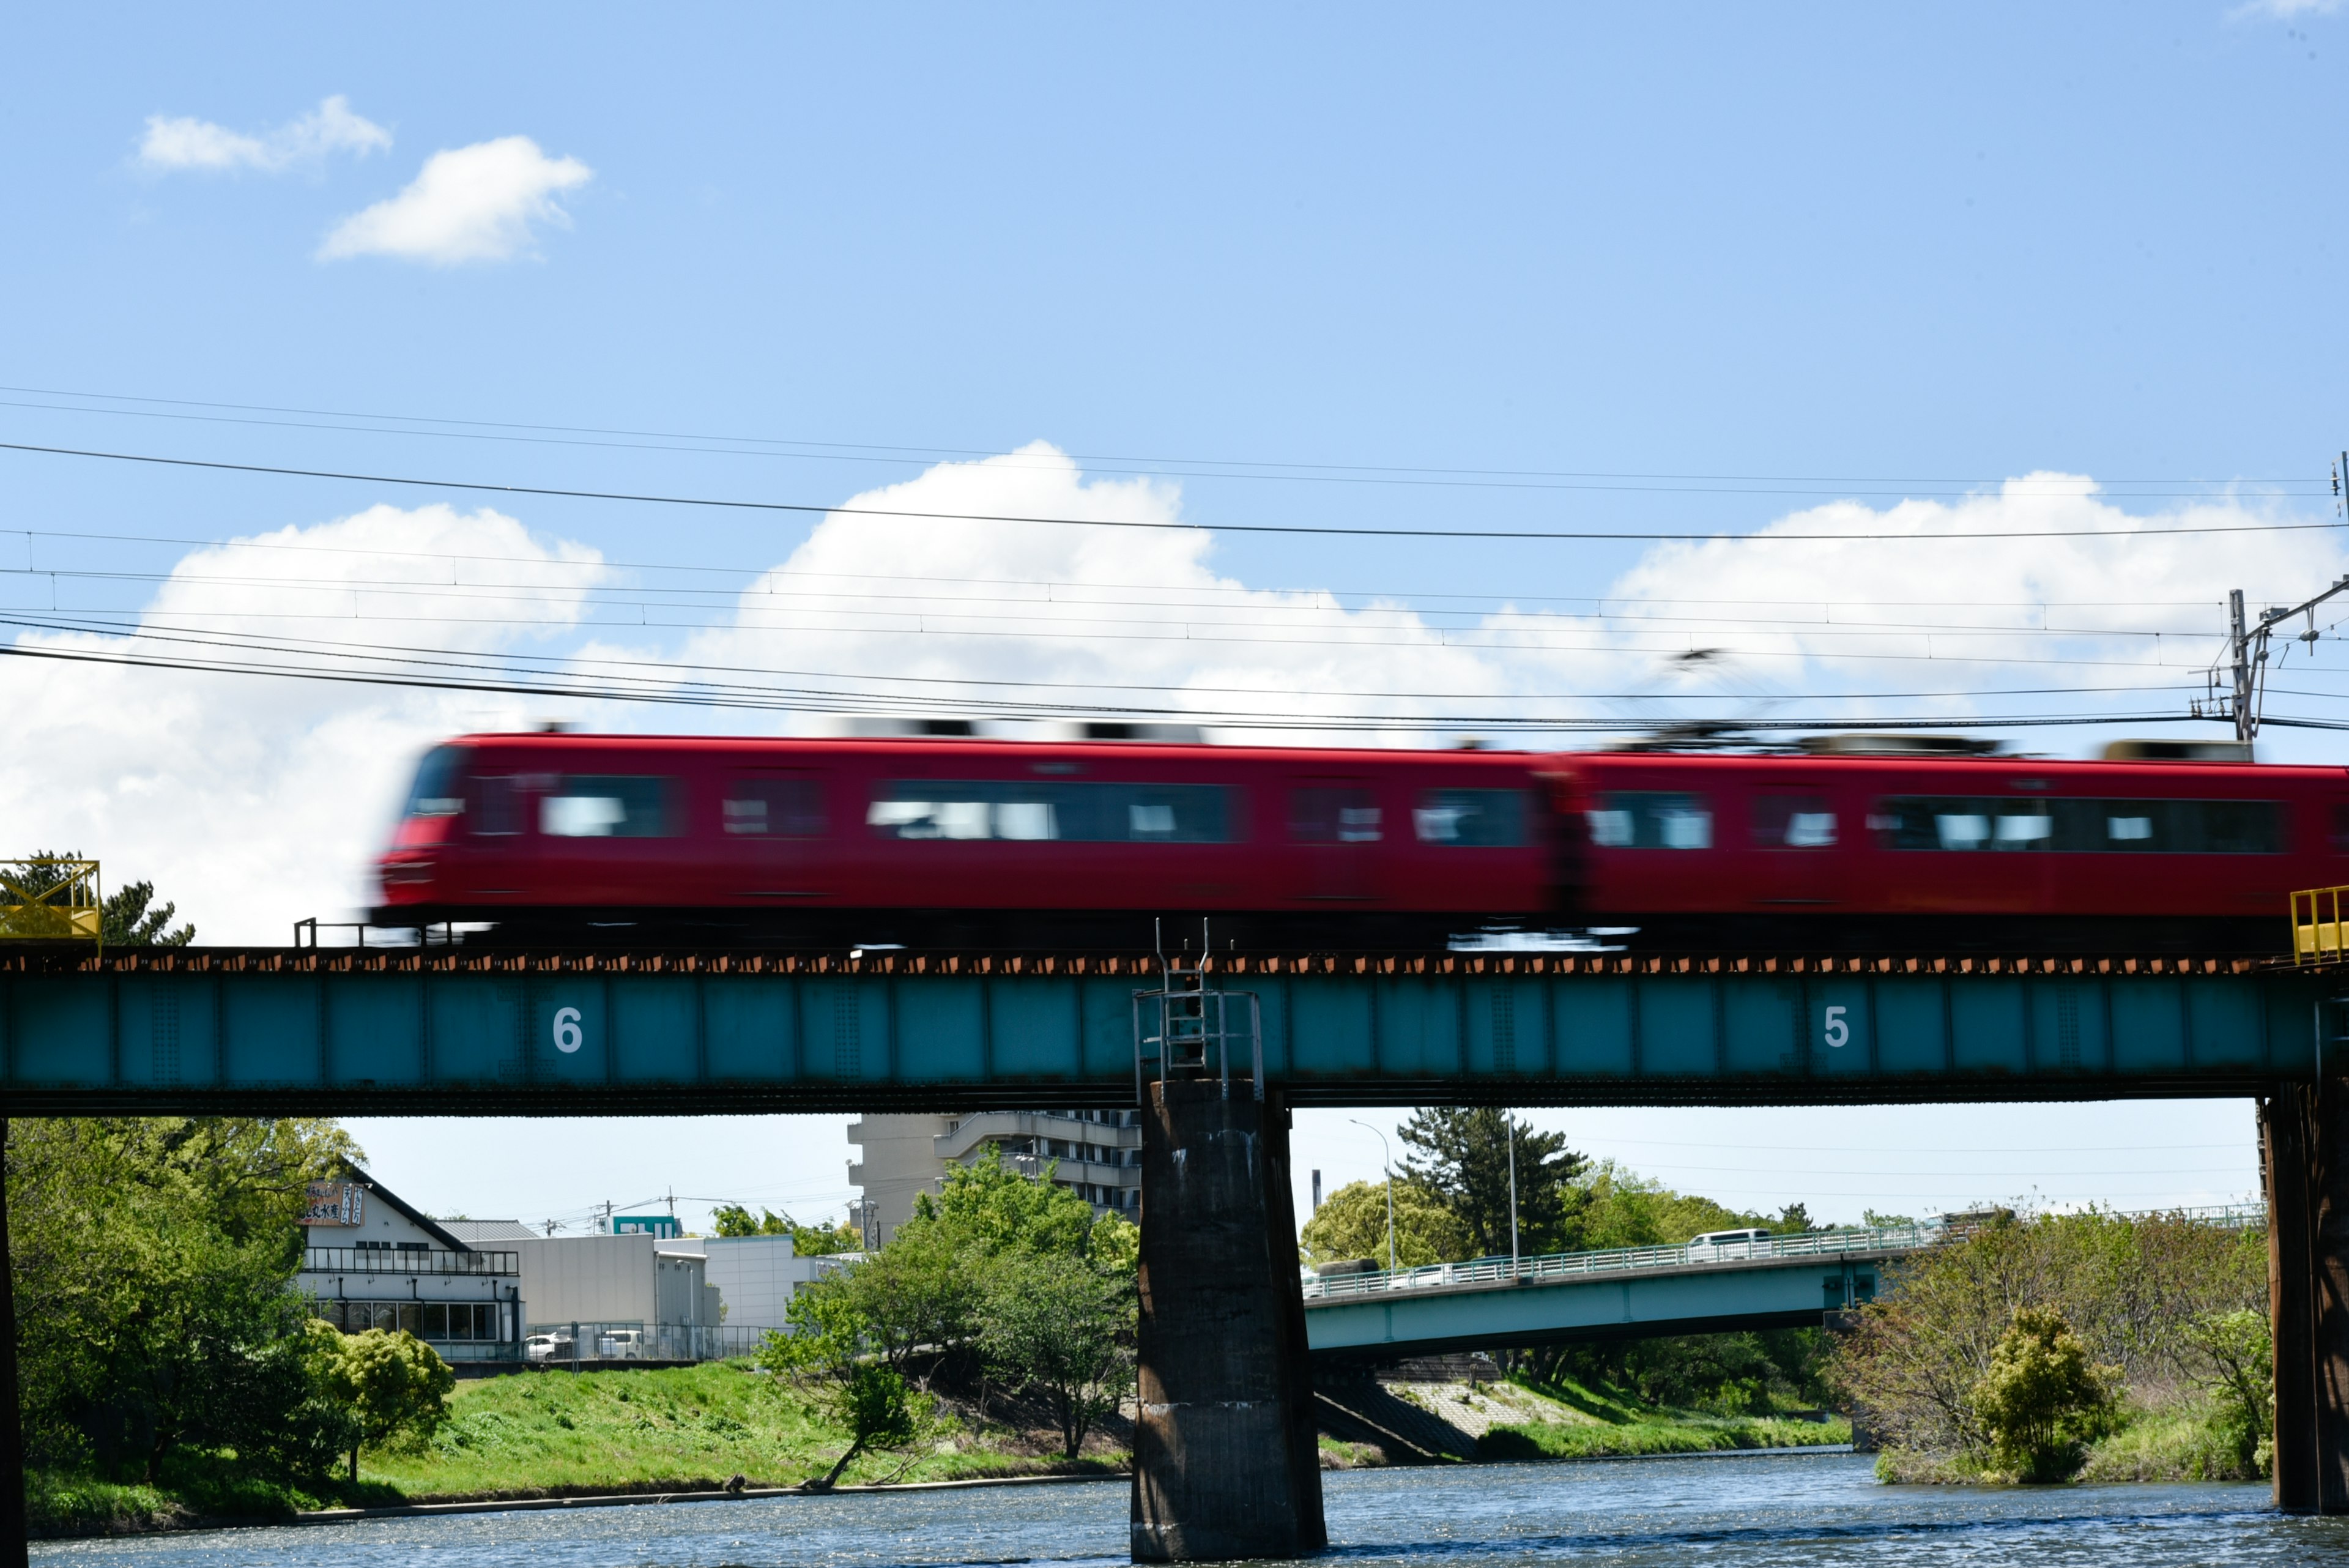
column 1470, row 818
column 774, row 805
column 1652, row 819
column 590, row 806
column 1033, row 810
column 2120, row 826
column 1322, row 814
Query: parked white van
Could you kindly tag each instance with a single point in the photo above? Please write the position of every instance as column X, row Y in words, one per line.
column 1721, row 1246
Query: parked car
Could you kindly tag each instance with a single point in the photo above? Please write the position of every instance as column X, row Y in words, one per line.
column 1721, row 1246
column 621, row 1344
column 547, row 1347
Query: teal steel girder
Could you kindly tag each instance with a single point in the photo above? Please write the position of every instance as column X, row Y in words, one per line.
column 577, row 1033
column 1684, row 1300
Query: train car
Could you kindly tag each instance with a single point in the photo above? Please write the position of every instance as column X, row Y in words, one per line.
column 966, row 842
column 1761, row 853
column 1006, row 844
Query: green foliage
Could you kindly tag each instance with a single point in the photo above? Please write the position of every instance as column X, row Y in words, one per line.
column 2138, row 1295
column 807, row 1240
column 1061, row 1327
column 152, row 1263
column 1727, row 1375
column 1352, row 1224
column 1461, row 1159
column 394, row 1386
column 1623, row 1208
column 823, row 1361
column 2041, row 1401
column 127, row 915
column 1557, row 1440
column 2232, row 1355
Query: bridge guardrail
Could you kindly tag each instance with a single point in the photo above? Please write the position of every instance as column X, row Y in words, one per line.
column 1559, row 1266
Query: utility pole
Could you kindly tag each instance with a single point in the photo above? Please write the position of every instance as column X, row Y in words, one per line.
column 2247, row 723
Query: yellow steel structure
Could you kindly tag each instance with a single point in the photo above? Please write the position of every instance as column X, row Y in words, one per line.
column 2316, row 928
column 51, row 901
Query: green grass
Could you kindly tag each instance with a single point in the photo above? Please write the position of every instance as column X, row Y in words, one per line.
column 683, row 1429
column 564, row 1434
column 2181, row 1443
column 1617, row 1424
column 1686, row 1435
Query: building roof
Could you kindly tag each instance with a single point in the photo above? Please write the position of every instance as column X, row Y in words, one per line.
column 423, row 1221
column 473, row 1232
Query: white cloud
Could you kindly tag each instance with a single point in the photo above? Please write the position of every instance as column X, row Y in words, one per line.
column 2286, row 10
column 189, row 143
column 255, row 801
column 473, row 203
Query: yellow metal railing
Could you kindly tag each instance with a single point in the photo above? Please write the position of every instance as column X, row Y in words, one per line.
column 2316, row 928
column 51, row 901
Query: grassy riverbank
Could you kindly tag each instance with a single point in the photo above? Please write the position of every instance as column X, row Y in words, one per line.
column 694, row 1429
column 1420, row 1422
column 555, row 1434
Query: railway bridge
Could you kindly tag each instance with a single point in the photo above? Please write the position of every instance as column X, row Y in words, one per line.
column 1226, row 1461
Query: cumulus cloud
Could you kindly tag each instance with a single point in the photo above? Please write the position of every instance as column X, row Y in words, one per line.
column 183, row 142
column 258, row 801
column 478, row 204
column 1089, row 611
column 253, row 801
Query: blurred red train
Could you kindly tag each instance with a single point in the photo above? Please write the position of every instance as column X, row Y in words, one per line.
column 989, row 844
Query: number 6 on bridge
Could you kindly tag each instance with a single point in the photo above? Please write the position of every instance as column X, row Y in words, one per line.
column 1839, row 1032
column 566, row 1029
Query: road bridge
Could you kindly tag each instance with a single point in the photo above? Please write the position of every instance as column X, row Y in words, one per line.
column 1226, row 1464
column 1786, row 1281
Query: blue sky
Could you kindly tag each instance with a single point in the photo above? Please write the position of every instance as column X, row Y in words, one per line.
column 1362, row 267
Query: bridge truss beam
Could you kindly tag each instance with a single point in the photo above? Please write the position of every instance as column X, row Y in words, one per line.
column 356, row 1031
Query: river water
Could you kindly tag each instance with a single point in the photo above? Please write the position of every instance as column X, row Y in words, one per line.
column 1743, row 1512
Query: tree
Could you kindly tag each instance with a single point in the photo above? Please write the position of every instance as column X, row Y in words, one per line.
column 1352, row 1224
column 1461, row 1158
column 823, row 1358
column 1062, row 1328
column 2041, row 1402
column 394, row 1386
column 126, row 917
column 2231, row 1356
column 153, row 1261
column 807, row 1240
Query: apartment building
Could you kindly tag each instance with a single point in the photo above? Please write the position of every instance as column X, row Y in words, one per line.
column 1096, row 1154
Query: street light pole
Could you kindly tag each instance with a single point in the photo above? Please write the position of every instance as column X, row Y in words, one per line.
column 1390, row 1170
column 1512, row 1120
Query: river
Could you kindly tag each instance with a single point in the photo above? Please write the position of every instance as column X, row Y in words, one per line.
column 1741, row 1512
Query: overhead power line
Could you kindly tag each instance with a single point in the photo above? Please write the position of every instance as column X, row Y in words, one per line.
column 1221, row 468
column 1317, row 529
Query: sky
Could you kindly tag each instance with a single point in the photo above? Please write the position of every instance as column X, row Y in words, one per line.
column 1674, row 286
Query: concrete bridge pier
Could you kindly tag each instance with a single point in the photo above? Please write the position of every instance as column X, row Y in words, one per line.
column 1226, row 1464
column 2304, row 1153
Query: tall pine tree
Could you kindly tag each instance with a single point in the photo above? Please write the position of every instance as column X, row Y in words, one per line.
column 1460, row 1158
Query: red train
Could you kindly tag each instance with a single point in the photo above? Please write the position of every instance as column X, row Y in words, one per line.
column 975, row 843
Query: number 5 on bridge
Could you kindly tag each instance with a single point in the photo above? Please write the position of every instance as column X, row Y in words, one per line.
column 1839, row 1032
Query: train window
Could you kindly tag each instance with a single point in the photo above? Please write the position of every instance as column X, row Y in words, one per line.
column 1326, row 815
column 593, row 806
column 1787, row 821
column 1642, row 819
column 1470, row 818
column 501, row 806
column 435, row 792
column 2341, row 828
column 774, row 805
column 1081, row 813
column 2120, row 826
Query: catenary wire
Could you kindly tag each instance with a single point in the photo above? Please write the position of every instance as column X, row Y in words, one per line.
column 879, row 452
column 1317, row 530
